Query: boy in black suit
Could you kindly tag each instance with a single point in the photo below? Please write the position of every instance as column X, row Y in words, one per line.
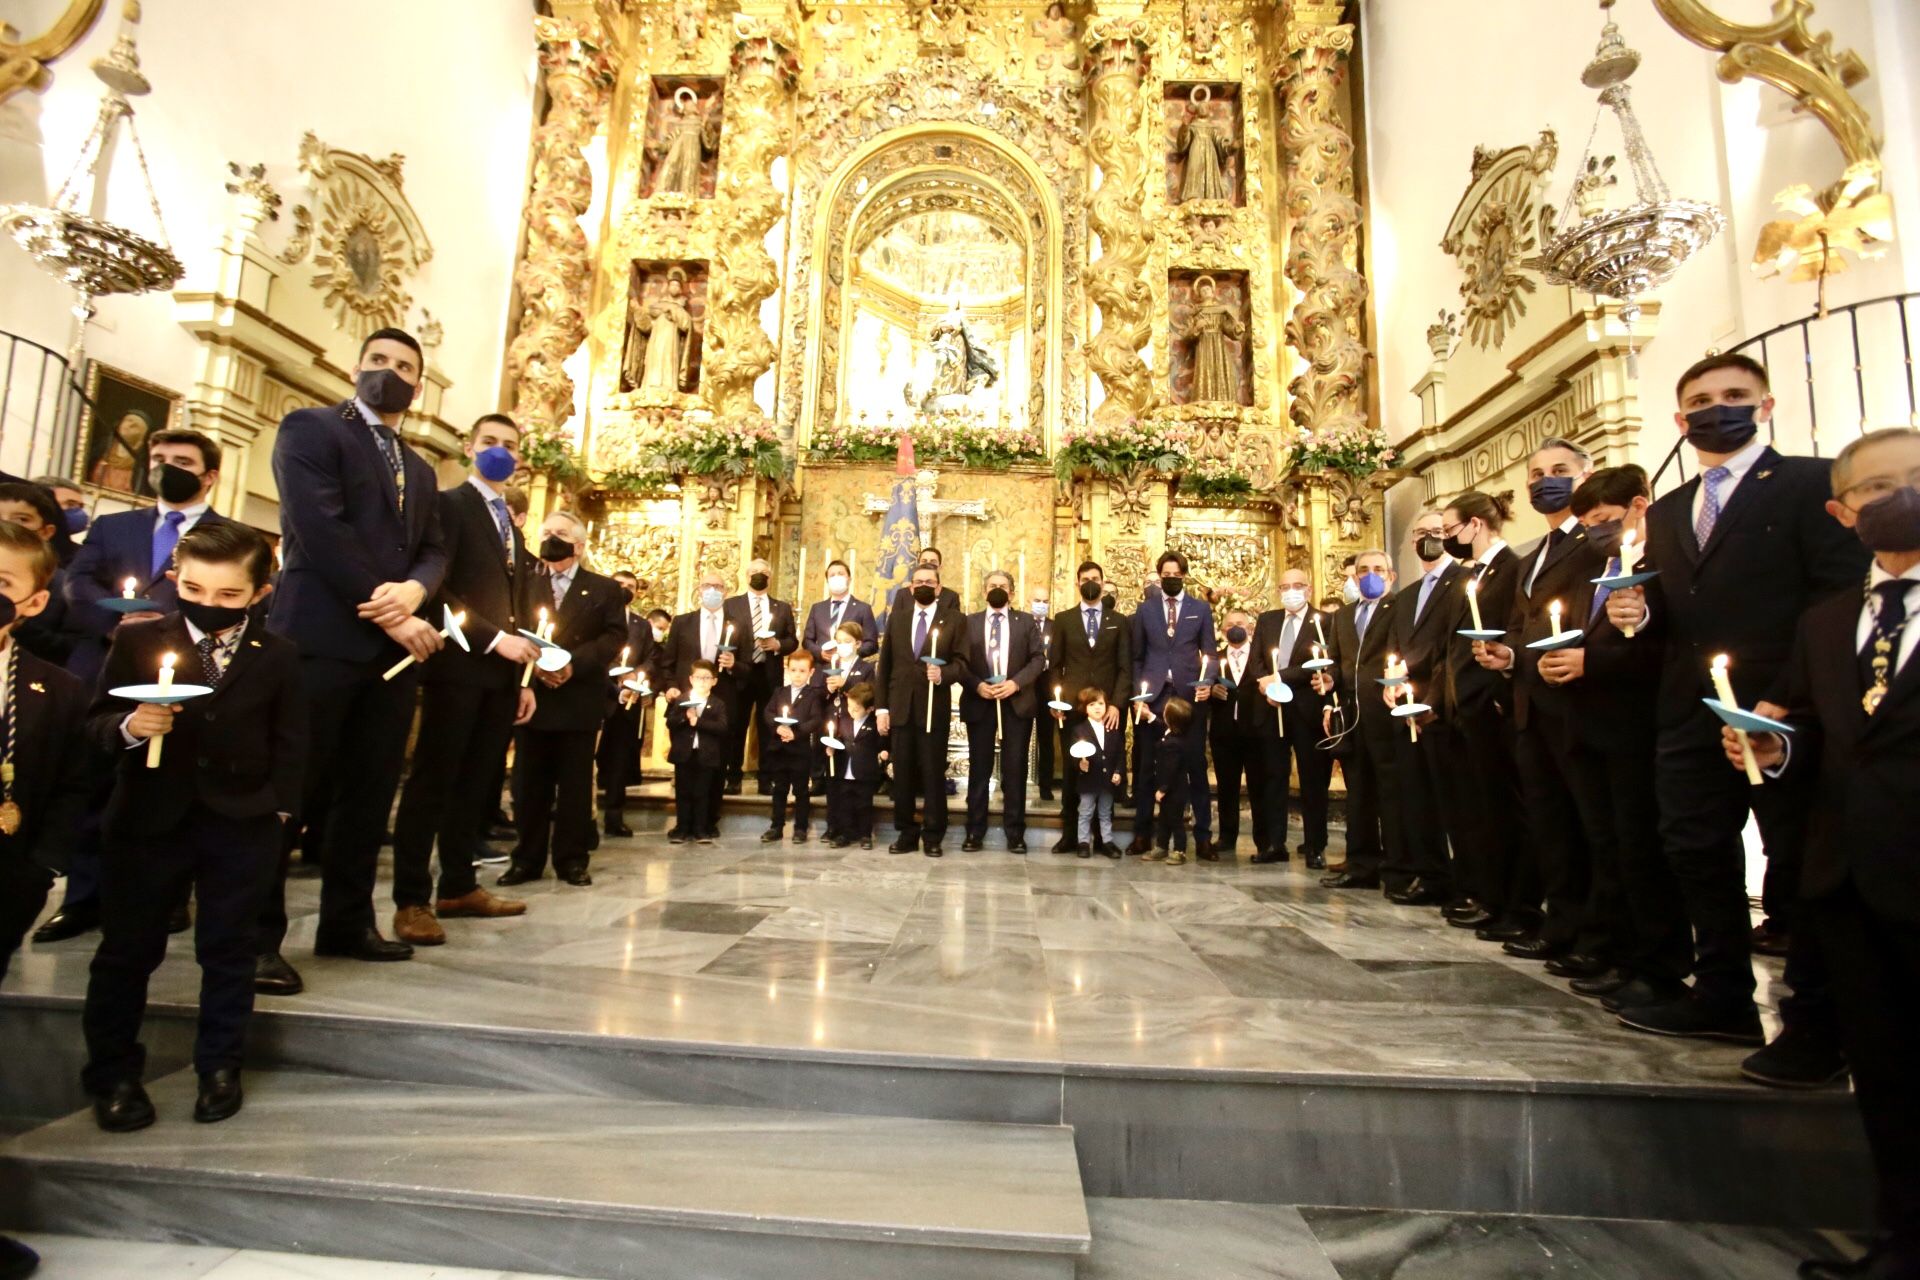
column 1099, row 774
column 856, row 768
column 1852, row 691
column 210, row 814
column 842, row 667
column 1171, row 778
column 697, row 750
column 553, row 755
column 786, row 756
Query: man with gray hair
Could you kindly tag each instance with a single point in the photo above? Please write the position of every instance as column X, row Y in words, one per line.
column 700, row 635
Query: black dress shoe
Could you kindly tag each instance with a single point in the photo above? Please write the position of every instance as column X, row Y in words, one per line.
column 770, row 835
column 219, row 1097
column 1111, row 850
column 1509, row 931
column 1640, row 993
column 1798, row 1058
column 1871, row 1263
column 1065, row 844
column 971, row 844
column 1534, row 949
column 1266, row 857
column 1350, row 880
column 1464, row 907
column 934, row 850
column 502, row 830
column 17, row 1262
column 1139, row 846
column 1204, row 851
column 180, row 919
column 618, row 828
column 1601, row 984
column 799, row 835
column 1695, row 1019
column 578, row 877
column 1046, row 795
column 1769, row 941
column 68, row 922
column 1576, row 965
column 273, row 976
column 1418, row 893
column 903, row 846
column 1478, row 918
column 1018, row 847
column 733, row 788
column 1316, row 860
column 866, row 842
column 123, row 1108
column 676, row 837
column 368, row 946
column 518, row 874
column 1083, row 850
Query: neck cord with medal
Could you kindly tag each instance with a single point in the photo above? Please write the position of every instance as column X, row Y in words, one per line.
column 10, row 815
column 1884, row 641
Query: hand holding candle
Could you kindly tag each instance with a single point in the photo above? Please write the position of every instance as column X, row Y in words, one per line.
column 1723, row 685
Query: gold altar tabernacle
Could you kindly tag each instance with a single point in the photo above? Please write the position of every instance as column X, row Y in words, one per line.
column 1098, row 264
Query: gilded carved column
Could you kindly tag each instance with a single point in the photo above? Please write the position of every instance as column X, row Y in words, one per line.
column 1117, row 282
column 556, row 271
column 1326, row 398
column 739, row 350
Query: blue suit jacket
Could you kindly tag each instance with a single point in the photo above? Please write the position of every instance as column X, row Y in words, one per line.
column 343, row 532
column 1166, row 665
column 118, row 547
column 819, row 630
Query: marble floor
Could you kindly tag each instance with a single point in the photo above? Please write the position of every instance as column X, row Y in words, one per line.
column 1038, row 961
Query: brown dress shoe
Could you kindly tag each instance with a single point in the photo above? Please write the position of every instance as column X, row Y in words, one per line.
column 479, row 905
column 417, row 926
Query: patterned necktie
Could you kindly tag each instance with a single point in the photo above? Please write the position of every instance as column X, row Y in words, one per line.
column 993, row 647
column 839, row 612
column 560, row 586
column 1093, row 626
column 390, row 446
column 209, row 665
column 1173, row 615
column 504, row 522
column 1880, row 656
column 1709, row 504
column 1600, row 594
column 919, row 632
column 759, row 625
column 166, row 536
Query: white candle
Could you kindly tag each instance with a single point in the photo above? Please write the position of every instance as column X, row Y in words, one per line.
column 625, row 652
column 726, row 639
column 128, row 588
column 166, row 682
column 1323, row 635
column 459, row 619
column 1056, row 693
column 1473, row 603
column 1553, row 611
column 1630, row 550
column 1723, row 685
column 1203, row 666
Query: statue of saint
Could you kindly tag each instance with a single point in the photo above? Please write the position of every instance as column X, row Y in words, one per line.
column 659, row 339
column 1060, row 60
column 1205, row 143
column 686, row 140
column 1213, row 324
column 961, row 364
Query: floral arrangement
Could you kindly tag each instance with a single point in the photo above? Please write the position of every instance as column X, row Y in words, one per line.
column 1357, row 451
column 1120, row 448
column 938, row 437
column 736, row 449
column 1215, row 482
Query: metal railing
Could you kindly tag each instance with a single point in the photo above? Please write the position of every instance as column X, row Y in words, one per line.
column 40, row 408
column 1856, row 367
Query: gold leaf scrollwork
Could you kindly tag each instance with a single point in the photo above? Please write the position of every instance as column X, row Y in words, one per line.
column 23, row 64
column 1116, row 281
column 651, row 551
column 1495, row 232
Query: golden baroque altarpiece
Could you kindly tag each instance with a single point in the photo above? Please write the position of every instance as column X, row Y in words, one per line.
column 1031, row 224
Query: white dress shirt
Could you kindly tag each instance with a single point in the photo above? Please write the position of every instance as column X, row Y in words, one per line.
column 1737, row 467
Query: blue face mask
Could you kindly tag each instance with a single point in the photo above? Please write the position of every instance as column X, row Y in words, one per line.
column 1551, row 495
column 77, row 519
column 711, row 598
column 1372, row 585
column 495, row 464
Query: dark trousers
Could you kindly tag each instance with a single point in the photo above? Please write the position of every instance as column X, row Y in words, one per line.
column 1146, row 738
column 1635, row 890
column 1170, row 828
column 1489, row 843
column 1424, row 769
column 1373, row 809
column 850, row 809
column 920, row 777
column 1043, row 730
column 756, row 690
column 1555, row 827
column 230, row 863
column 1070, row 778
column 795, row 780
column 618, row 758
column 553, row 798
column 1299, row 752
column 1875, row 963
column 1013, row 772
column 23, row 895
column 356, row 744
column 1237, row 755
column 696, row 808
column 464, row 729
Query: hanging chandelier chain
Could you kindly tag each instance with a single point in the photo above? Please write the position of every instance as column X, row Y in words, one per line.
column 112, row 107
column 1646, row 175
column 146, row 175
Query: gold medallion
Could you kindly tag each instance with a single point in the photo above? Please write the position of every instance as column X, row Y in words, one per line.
column 1873, row 697
column 9, row 818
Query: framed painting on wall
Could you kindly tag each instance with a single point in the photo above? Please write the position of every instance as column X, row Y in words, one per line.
column 122, row 413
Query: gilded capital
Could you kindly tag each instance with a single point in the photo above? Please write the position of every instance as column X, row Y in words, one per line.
column 1117, row 46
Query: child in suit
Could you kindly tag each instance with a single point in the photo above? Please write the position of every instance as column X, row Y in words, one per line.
column 844, row 666
column 787, row 750
column 1171, row 784
column 209, row 815
column 696, row 748
column 857, row 770
column 1099, row 774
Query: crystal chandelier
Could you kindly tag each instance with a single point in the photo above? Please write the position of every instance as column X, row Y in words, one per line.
column 95, row 257
column 1623, row 252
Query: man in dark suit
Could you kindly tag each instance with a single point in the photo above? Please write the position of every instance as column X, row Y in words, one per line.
column 616, row 759
column 1557, row 574
column 1421, row 628
column 1237, row 730
column 1093, row 649
column 764, row 631
column 1742, row 549
column 1851, row 689
column 914, row 702
column 903, row 597
column 1292, row 631
column 1358, row 640
column 1043, row 731
column 1170, row 633
column 701, row 635
column 553, row 753
column 997, row 703
column 472, row 698
column 839, row 606
column 361, row 555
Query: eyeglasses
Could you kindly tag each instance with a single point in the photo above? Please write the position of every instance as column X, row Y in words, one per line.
column 1878, row 487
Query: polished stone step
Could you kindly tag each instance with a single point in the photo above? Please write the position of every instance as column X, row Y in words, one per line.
column 563, row 1184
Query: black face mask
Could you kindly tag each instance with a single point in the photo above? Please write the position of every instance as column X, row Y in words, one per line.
column 8, row 612
column 1550, row 494
column 1892, row 523
column 1236, row 636
column 1108, row 603
column 758, row 582
column 383, row 390
column 1605, row 536
column 924, row 594
column 1721, row 428
column 1089, row 591
column 211, row 618
column 173, row 484
column 1430, row 548
column 1171, row 587
column 554, row 548
column 1458, row 548
column 996, row 599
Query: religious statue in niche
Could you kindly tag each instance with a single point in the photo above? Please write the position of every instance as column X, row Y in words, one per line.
column 1214, row 370
column 662, row 341
column 1059, row 61
column 1204, row 147
column 688, row 17
column 689, row 133
column 1203, row 29
column 957, row 364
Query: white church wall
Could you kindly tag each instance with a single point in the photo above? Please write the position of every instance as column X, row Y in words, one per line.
column 446, row 83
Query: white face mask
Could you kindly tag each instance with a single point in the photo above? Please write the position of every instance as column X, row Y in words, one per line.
column 837, row 583
column 1293, row 599
column 659, row 633
column 1039, row 608
column 845, row 648
column 1351, row 592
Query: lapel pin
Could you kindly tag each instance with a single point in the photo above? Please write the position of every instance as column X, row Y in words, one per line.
column 37, row 687
column 1764, row 474
column 253, row 644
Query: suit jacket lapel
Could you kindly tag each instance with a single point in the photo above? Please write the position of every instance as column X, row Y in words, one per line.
column 370, row 445
column 243, row 657
column 1746, row 495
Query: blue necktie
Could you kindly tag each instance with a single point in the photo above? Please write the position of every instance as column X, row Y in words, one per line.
column 1093, row 626
column 1709, row 505
column 166, row 536
column 1426, row 589
column 1600, row 594
column 1361, row 617
column 993, row 646
column 503, row 522
column 919, row 633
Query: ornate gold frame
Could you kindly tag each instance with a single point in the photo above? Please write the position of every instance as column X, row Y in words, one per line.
column 23, row 65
